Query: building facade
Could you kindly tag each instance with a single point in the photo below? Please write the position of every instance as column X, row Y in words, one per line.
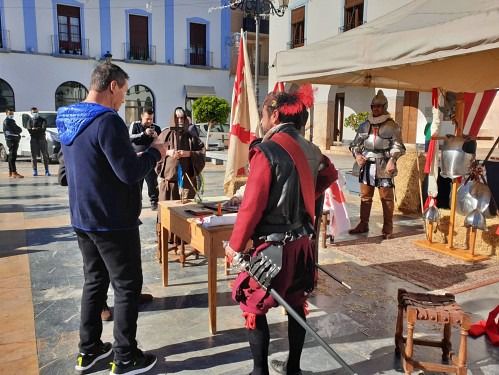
column 309, row 21
column 173, row 50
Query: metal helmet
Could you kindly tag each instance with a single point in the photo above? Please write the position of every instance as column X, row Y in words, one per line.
column 380, row 99
column 458, row 154
column 475, row 220
column 432, row 214
column 471, row 195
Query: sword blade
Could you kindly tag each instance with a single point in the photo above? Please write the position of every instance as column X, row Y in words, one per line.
column 311, row 331
column 332, row 276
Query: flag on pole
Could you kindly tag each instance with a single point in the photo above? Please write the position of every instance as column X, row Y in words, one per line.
column 476, row 106
column 278, row 87
column 335, row 203
column 244, row 119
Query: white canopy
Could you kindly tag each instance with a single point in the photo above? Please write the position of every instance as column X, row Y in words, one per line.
column 452, row 44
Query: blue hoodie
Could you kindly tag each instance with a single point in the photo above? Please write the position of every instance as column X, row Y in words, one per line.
column 102, row 169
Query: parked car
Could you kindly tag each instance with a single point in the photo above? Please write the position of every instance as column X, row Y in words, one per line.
column 218, row 136
column 22, row 119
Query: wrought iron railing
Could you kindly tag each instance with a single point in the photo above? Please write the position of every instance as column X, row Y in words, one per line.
column 347, row 27
column 296, row 43
column 198, row 57
column 139, row 53
column 66, row 48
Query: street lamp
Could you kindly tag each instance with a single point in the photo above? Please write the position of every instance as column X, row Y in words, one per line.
column 257, row 9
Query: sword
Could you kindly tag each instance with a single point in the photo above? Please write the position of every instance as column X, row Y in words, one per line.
column 263, row 268
column 332, row 276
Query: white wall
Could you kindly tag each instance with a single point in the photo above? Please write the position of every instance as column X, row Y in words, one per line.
column 166, row 81
column 14, row 23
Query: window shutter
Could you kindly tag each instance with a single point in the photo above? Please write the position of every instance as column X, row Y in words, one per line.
column 353, row 3
column 298, row 15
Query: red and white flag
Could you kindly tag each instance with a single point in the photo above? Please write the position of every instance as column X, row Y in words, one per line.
column 476, row 106
column 335, row 203
column 244, row 119
column 278, row 87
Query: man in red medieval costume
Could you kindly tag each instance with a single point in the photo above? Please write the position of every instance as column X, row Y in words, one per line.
column 275, row 209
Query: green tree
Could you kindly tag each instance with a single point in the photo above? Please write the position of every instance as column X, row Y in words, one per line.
column 210, row 109
column 355, row 119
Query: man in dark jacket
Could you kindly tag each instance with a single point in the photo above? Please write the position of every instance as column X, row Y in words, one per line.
column 12, row 134
column 36, row 127
column 142, row 134
column 103, row 174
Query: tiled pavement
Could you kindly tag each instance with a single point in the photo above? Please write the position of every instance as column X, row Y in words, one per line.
column 41, row 279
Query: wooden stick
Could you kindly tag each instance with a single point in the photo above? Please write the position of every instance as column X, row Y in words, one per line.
column 452, row 218
column 430, row 232
column 459, row 120
column 472, row 241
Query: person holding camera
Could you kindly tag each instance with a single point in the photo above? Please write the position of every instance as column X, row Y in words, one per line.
column 142, row 134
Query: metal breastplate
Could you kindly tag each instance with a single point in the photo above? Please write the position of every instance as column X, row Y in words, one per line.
column 457, row 155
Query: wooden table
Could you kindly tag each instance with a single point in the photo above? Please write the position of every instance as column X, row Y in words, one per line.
column 207, row 241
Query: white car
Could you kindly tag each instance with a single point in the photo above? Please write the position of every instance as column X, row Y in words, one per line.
column 218, row 136
column 22, row 118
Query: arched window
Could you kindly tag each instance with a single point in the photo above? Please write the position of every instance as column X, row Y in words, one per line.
column 69, row 93
column 6, row 96
column 138, row 98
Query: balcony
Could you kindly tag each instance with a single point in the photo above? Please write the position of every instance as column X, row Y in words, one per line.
column 146, row 54
column 4, row 40
column 69, row 49
column 347, row 27
column 198, row 58
column 296, row 43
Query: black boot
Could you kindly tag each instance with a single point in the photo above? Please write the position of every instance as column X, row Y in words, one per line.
column 296, row 337
column 259, row 339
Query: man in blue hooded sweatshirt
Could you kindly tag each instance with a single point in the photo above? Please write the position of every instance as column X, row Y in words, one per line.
column 104, row 175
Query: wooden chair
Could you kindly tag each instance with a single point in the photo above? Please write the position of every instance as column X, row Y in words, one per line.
column 439, row 309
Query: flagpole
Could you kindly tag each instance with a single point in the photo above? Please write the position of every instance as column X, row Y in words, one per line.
column 257, row 54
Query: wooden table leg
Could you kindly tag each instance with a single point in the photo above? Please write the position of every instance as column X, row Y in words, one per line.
column 160, row 242
column 164, row 255
column 212, row 292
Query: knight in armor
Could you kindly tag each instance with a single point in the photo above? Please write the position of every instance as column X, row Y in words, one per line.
column 274, row 211
column 376, row 148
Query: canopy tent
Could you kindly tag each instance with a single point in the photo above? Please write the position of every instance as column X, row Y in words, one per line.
column 452, row 44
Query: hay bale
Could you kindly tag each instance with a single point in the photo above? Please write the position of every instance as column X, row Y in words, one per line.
column 231, row 187
column 406, row 184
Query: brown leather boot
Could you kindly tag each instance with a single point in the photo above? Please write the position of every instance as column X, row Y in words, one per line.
column 17, row 175
column 386, row 196
column 363, row 225
column 10, row 174
column 366, row 201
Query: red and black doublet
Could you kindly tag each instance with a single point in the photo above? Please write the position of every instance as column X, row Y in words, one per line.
column 273, row 203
